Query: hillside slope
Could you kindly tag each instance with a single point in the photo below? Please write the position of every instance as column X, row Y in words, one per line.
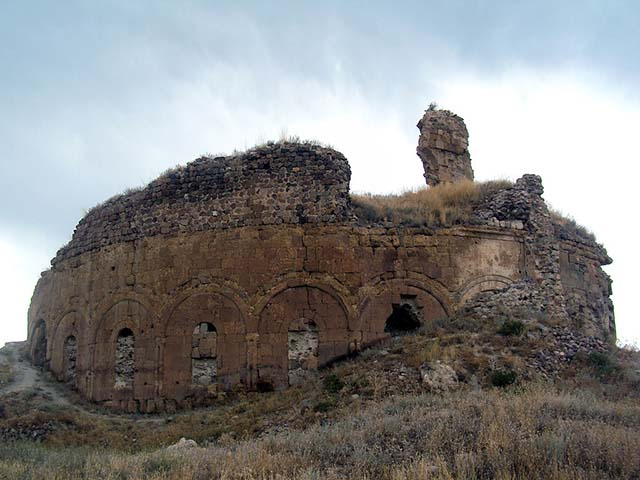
column 524, row 401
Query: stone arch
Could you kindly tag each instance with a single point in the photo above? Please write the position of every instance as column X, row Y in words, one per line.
column 302, row 303
column 327, row 284
column 411, row 279
column 397, row 296
column 106, row 306
column 132, row 315
column 33, row 323
column 211, row 284
column 39, row 344
column 480, row 284
column 227, row 319
column 72, row 324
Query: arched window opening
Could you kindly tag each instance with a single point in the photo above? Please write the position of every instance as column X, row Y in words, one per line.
column 70, row 358
column 125, row 359
column 204, row 355
column 303, row 350
column 404, row 316
column 40, row 344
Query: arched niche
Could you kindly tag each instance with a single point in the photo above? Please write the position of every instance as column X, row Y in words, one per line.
column 39, row 344
column 125, row 316
column 487, row 283
column 69, row 350
column 298, row 308
column 225, row 341
column 397, row 308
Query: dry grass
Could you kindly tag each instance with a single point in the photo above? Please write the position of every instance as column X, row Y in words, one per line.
column 6, row 370
column 444, row 205
column 570, row 225
column 534, row 432
column 366, row 417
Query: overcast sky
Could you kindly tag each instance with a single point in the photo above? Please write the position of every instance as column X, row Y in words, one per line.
column 96, row 97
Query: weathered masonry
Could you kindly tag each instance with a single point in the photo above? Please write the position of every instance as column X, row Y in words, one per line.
column 252, row 271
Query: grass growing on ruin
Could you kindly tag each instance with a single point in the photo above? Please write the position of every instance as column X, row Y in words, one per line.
column 444, row 205
column 284, row 139
column 569, row 224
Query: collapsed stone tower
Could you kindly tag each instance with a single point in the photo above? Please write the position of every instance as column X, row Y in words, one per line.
column 443, row 147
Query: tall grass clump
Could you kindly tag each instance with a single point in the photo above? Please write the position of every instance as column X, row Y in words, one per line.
column 570, row 226
column 444, row 205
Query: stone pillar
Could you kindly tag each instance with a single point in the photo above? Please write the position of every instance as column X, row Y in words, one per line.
column 443, row 147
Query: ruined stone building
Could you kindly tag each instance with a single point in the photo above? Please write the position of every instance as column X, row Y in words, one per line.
column 253, row 270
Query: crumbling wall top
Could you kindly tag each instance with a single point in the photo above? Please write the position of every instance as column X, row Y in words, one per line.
column 277, row 183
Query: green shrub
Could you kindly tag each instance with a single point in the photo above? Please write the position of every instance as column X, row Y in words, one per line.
column 603, row 364
column 332, row 383
column 325, row 406
column 598, row 360
column 512, row 328
column 503, row 377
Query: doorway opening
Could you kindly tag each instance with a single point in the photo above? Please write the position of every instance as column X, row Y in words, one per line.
column 204, row 355
column 404, row 317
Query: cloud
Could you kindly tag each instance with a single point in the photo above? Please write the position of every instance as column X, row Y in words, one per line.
column 100, row 97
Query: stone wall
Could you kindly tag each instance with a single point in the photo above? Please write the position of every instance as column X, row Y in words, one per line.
column 443, row 147
column 279, row 183
column 564, row 279
column 586, row 287
column 253, row 284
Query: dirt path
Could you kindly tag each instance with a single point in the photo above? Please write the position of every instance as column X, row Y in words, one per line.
column 28, row 377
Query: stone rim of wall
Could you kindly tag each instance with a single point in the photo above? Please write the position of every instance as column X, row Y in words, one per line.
column 277, row 183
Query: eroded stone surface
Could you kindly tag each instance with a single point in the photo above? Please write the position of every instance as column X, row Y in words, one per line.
column 70, row 355
column 303, row 351
column 183, row 444
column 438, row 377
column 443, row 147
column 124, row 364
column 283, row 183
